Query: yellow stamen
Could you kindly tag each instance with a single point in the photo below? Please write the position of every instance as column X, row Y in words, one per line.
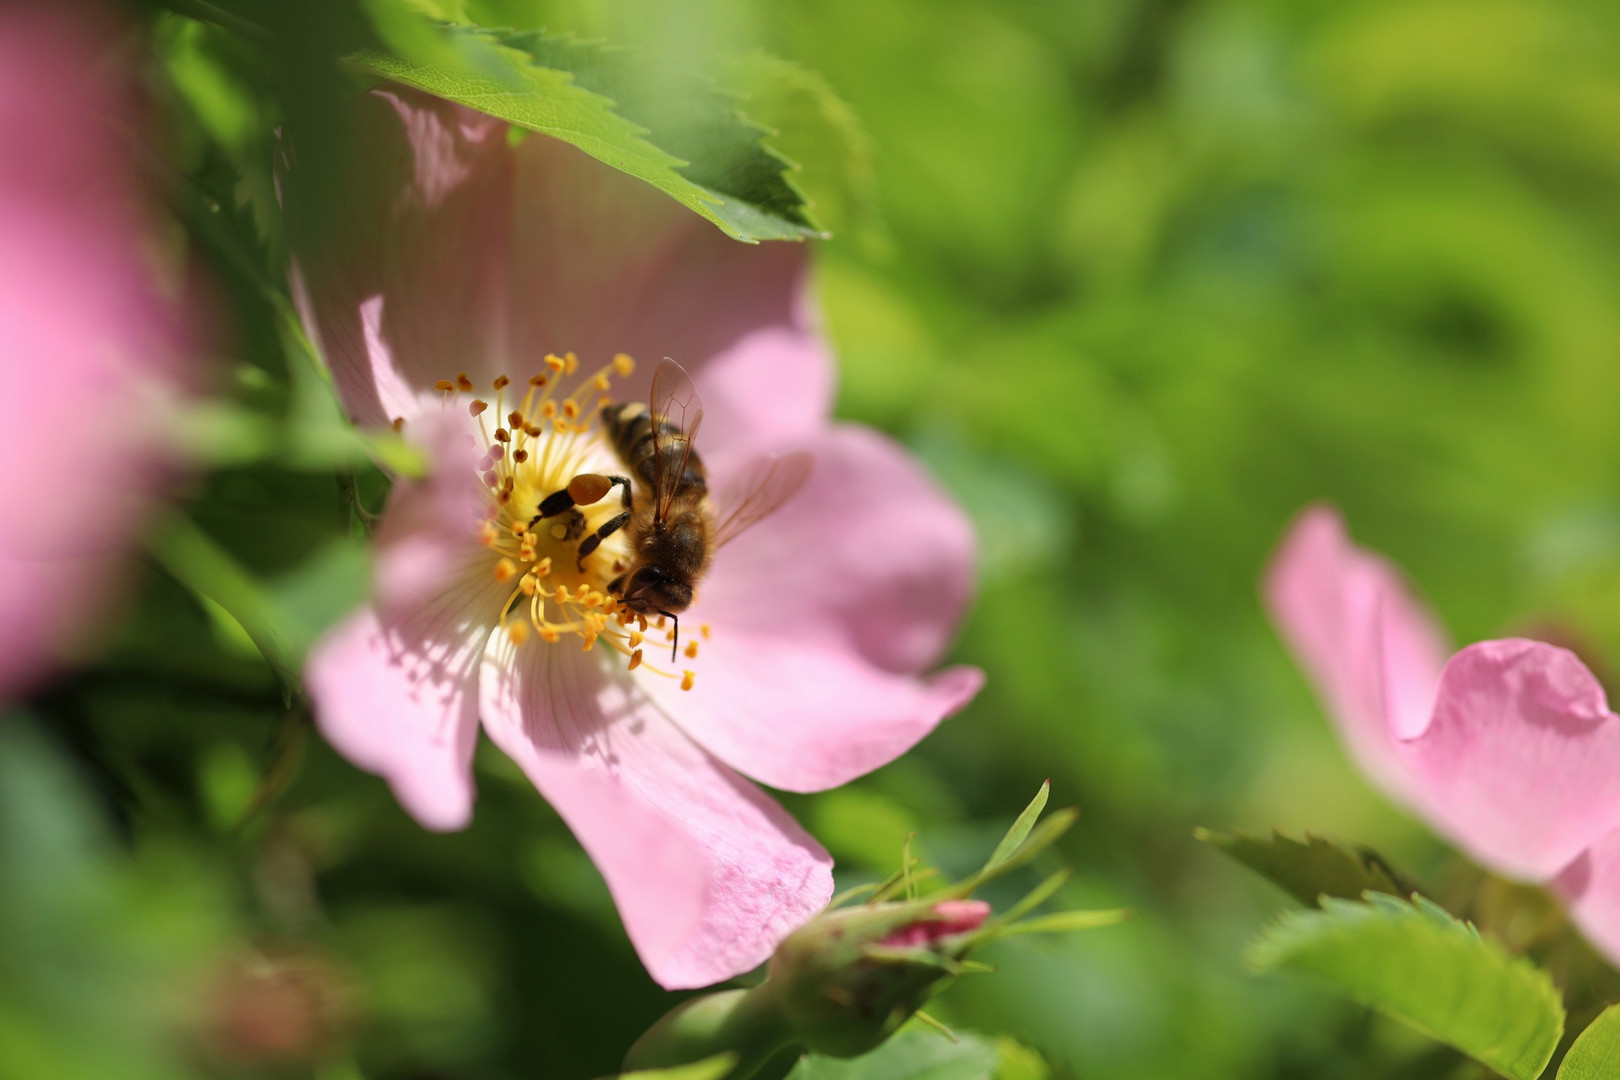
column 686, row 680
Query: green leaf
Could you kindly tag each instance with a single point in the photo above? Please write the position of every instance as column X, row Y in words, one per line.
column 1415, row 963
column 1020, row 828
column 811, row 126
column 914, row 1053
column 1309, row 869
column 1595, row 1054
column 711, row 1068
column 677, row 132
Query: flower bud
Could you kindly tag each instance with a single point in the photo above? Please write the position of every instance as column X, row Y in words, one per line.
column 839, row 985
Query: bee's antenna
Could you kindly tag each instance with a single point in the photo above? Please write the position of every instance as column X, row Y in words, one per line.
column 675, row 642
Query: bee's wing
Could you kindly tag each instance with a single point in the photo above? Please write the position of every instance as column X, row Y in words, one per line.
column 759, row 489
column 674, row 402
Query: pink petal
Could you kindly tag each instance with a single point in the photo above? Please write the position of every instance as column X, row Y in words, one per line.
column 1373, row 652
column 460, row 252
column 870, row 554
column 1521, row 765
column 1590, row 888
column 820, row 618
column 87, row 344
column 803, row 714
column 400, row 269
column 429, row 534
column 395, row 685
column 707, row 872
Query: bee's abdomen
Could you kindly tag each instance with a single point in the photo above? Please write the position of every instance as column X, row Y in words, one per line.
column 639, row 444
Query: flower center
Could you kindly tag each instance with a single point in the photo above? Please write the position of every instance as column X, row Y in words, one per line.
column 538, row 441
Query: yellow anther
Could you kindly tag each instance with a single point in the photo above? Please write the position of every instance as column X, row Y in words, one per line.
column 555, row 362
column 690, row 650
column 445, row 385
column 543, row 567
column 518, row 632
column 590, row 640
column 592, row 599
column 548, row 410
column 520, row 456
column 562, row 594
column 464, row 383
column 505, row 570
column 641, row 621
column 704, row 630
column 514, row 420
column 624, row 365
column 660, row 623
column 477, row 406
column 686, row 680
column 399, row 424
column 487, row 534
column 573, row 363
column 538, row 380
column 532, row 430
column 636, row 638
column 502, row 435
column 548, row 634
column 526, row 552
column 602, row 382
column 528, row 584
column 571, row 409
column 635, row 661
column 502, row 382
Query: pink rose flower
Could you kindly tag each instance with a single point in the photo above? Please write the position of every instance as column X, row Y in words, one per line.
column 86, row 342
column 1507, row 748
column 443, row 283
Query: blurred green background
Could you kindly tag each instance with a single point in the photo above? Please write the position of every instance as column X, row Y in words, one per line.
column 1138, row 279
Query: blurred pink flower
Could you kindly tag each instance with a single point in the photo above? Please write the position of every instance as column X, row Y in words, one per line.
column 461, row 257
column 87, row 345
column 1507, row 748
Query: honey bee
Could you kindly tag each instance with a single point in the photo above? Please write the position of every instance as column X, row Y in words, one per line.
column 673, row 525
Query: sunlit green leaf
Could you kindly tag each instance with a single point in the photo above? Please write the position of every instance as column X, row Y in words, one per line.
column 1413, row 962
column 677, row 133
column 1595, row 1054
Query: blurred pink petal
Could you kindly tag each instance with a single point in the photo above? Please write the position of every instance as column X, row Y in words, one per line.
column 82, row 327
column 1590, row 889
column 459, row 258
column 1521, row 765
column 1373, row 653
column 708, row 873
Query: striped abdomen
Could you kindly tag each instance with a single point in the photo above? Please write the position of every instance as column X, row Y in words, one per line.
column 639, row 445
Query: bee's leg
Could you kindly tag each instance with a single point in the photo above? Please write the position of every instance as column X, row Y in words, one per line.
column 609, row 527
column 583, row 490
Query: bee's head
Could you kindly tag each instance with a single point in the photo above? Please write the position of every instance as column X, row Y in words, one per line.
column 652, row 591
